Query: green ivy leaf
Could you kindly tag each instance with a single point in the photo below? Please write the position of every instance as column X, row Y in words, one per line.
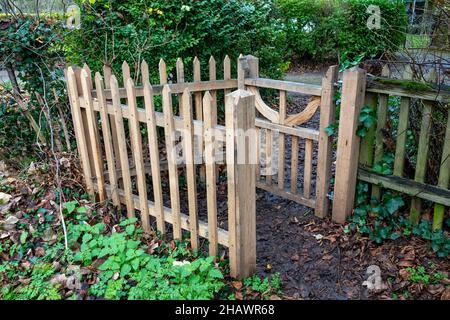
column 394, row 204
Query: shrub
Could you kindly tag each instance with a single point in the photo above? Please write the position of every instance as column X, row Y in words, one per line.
column 324, row 28
column 134, row 30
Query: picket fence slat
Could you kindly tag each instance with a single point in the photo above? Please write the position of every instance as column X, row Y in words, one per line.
column 402, row 129
column 294, row 164
column 107, row 139
column 382, row 114
column 422, row 151
column 93, row 132
column 307, row 168
column 188, row 151
column 123, row 151
column 211, row 192
column 78, row 128
column 281, row 140
column 154, row 156
column 170, row 136
column 136, row 144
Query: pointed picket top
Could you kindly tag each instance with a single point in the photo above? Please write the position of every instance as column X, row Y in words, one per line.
column 196, row 64
column 113, row 82
column 207, row 98
column 386, row 72
column 226, row 68
column 144, row 72
column 180, row 70
column 240, row 56
column 432, row 76
column 162, row 72
column 88, row 74
column 408, row 72
column 212, row 68
column 125, row 72
column 85, row 73
column 98, row 77
column 86, row 68
column 70, row 71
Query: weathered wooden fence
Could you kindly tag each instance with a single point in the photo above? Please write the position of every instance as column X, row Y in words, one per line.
column 122, row 148
column 118, row 160
column 356, row 159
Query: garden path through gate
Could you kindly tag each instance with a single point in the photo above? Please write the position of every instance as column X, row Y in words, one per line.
column 126, row 158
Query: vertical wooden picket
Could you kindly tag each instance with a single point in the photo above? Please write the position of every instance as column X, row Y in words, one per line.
column 211, row 178
column 199, row 116
column 226, row 71
column 444, row 176
column 107, row 139
column 74, row 100
column 402, row 129
column 281, row 141
column 123, row 151
column 188, row 139
column 170, row 136
column 93, row 132
column 294, row 164
column 324, row 153
column 307, row 168
column 180, row 79
column 269, row 156
column 136, row 144
column 382, row 113
column 107, row 75
column 422, row 151
column 154, row 153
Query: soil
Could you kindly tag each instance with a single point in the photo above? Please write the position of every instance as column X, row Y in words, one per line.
column 315, row 257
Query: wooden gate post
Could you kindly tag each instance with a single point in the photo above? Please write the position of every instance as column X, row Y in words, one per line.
column 240, row 142
column 327, row 117
column 353, row 95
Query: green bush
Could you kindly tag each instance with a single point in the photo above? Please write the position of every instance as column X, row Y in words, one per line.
column 326, row 28
column 134, row 30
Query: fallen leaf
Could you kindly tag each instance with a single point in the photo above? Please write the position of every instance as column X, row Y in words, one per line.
column 405, row 263
column 274, row 297
column 327, row 257
column 446, row 294
column 239, row 295
column 404, row 274
column 436, row 289
column 4, row 198
column 236, row 284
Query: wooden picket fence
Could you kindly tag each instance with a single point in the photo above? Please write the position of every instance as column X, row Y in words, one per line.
column 121, row 147
column 356, row 157
column 109, row 119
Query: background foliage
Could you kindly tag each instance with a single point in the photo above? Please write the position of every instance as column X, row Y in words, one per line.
column 326, row 28
column 134, row 30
